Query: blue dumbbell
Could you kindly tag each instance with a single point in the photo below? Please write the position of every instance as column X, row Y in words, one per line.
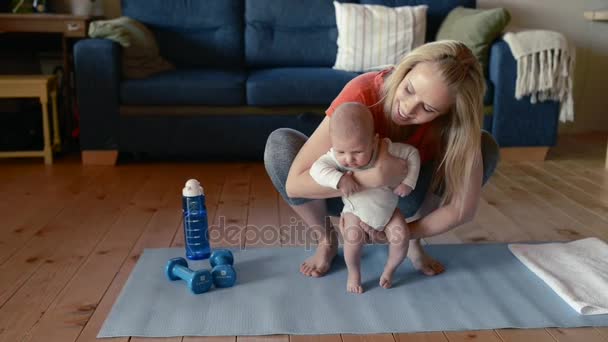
column 223, row 273
column 197, row 281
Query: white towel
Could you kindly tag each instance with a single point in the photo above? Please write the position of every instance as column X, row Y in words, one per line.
column 545, row 67
column 577, row 271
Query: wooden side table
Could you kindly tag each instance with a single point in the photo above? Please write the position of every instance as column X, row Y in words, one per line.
column 42, row 87
column 70, row 27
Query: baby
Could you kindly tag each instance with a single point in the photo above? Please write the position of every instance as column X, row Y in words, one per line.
column 354, row 147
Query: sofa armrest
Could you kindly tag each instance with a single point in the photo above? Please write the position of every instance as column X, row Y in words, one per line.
column 518, row 122
column 97, row 70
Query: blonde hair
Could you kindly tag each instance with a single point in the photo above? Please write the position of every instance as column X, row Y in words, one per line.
column 460, row 128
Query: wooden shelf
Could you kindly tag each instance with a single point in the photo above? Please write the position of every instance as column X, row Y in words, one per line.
column 599, row 15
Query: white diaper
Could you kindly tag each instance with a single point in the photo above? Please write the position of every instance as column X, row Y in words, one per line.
column 375, row 207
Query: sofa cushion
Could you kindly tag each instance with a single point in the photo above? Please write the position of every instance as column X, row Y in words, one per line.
column 290, row 33
column 193, row 33
column 187, row 87
column 488, row 97
column 438, row 10
column 295, row 86
column 371, row 37
column 476, row 28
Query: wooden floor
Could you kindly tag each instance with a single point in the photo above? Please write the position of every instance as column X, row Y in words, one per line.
column 70, row 235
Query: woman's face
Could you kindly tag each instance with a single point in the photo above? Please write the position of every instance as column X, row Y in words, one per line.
column 422, row 96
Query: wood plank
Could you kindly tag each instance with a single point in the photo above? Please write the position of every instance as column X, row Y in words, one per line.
column 209, row 339
column 27, row 303
column 603, row 331
column 515, row 203
column 565, row 225
column 230, row 222
column 368, row 338
column 477, row 335
column 15, row 176
column 472, row 232
column 267, row 338
column 490, row 217
column 592, row 165
column 592, row 189
column 290, row 225
column 159, row 233
column 30, row 181
column 498, row 225
column 72, row 309
column 21, row 222
column 584, row 224
column 71, row 233
column 155, row 339
column 598, row 177
column 588, row 202
column 263, row 215
column 516, row 335
column 293, row 230
column 448, row 237
column 421, row 337
column 315, row 338
column 576, row 335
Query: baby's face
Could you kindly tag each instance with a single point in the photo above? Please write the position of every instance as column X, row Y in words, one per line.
column 353, row 151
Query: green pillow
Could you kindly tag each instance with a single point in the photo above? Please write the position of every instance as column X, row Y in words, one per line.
column 477, row 28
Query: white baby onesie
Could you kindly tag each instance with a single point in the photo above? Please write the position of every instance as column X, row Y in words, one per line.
column 375, row 206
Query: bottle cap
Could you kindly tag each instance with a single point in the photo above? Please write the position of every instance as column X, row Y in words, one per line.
column 192, row 188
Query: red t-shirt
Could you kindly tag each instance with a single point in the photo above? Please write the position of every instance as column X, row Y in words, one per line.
column 366, row 89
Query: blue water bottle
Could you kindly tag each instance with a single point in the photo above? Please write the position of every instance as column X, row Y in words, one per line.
column 196, row 227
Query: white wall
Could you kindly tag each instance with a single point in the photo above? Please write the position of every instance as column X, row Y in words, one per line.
column 591, row 41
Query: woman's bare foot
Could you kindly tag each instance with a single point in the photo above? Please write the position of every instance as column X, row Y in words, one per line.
column 386, row 279
column 422, row 261
column 353, row 284
column 318, row 265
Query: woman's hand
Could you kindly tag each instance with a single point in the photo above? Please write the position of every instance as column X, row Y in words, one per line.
column 390, row 171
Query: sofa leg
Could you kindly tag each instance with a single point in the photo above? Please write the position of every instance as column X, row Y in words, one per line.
column 99, row 157
column 524, row 153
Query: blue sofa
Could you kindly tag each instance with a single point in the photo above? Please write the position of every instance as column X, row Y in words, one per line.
column 245, row 68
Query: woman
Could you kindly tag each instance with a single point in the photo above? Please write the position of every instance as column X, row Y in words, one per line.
column 433, row 100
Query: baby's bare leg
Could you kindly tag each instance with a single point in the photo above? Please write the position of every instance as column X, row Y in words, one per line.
column 354, row 238
column 398, row 236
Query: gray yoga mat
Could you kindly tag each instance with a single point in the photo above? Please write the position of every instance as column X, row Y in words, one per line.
column 484, row 287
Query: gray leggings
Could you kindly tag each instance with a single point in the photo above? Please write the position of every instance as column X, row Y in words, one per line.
column 284, row 144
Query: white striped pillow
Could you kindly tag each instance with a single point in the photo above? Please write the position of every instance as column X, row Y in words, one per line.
column 372, row 37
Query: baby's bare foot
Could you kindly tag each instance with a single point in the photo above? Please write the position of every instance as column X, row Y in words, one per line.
column 386, row 279
column 353, row 284
column 422, row 261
